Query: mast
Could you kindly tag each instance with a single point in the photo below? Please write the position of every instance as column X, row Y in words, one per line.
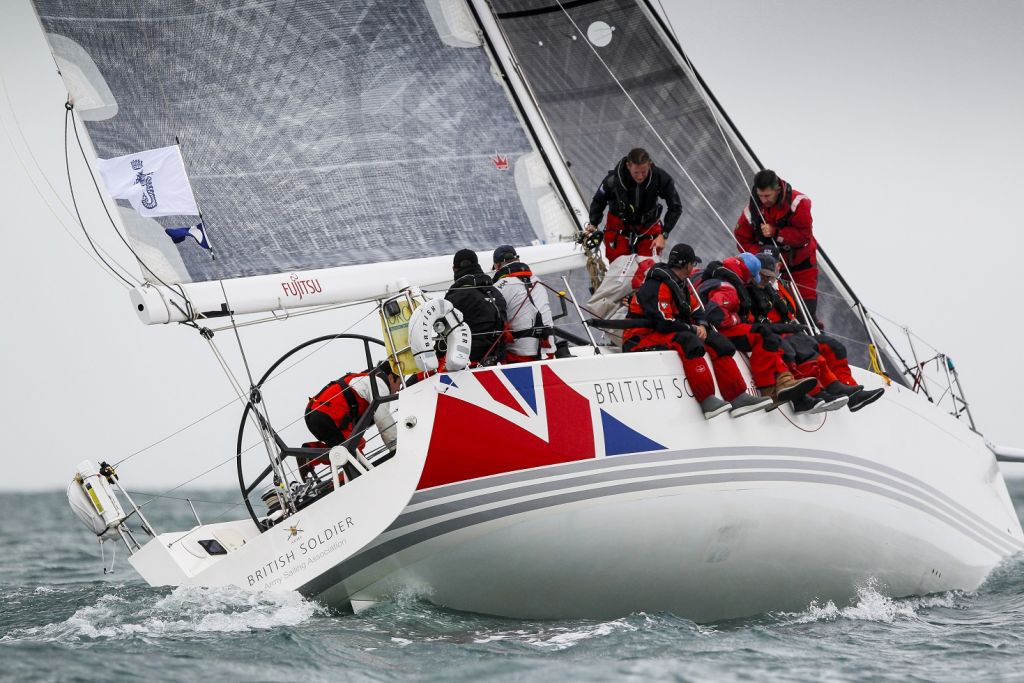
column 523, row 97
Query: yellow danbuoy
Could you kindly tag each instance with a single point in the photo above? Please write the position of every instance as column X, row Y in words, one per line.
column 394, row 319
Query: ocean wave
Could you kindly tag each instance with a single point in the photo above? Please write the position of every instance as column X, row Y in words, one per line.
column 1007, row 577
column 409, row 619
column 186, row 609
column 871, row 604
column 559, row 637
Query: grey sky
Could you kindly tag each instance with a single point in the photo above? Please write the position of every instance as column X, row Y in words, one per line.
column 899, row 119
column 902, row 121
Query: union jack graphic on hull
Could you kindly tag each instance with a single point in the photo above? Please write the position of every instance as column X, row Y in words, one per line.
column 506, row 420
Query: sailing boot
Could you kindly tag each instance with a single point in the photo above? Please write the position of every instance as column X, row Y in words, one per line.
column 745, row 403
column 787, row 388
column 713, row 406
column 838, row 387
column 864, row 397
column 808, row 404
column 769, row 392
column 832, row 401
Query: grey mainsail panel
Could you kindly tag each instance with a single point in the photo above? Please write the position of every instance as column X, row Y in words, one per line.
column 317, row 133
column 579, row 57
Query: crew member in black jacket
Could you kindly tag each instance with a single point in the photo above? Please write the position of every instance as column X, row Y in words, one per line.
column 631, row 191
column 481, row 305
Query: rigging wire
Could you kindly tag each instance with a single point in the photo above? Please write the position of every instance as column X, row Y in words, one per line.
column 650, row 125
column 232, row 401
column 188, row 313
column 240, row 393
column 714, row 109
column 236, row 386
column 71, row 186
column 37, row 166
column 194, row 500
column 743, row 180
column 707, row 103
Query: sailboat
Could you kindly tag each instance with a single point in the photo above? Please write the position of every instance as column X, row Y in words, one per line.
column 341, row 152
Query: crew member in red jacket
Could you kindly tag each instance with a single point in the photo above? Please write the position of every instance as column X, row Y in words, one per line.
column 821, row 356
column 664, row 319
column 780, row 218
column 333, row 412
column 722, row 289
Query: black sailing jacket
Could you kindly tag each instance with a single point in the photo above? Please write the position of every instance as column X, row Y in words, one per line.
column 637, row 204
column 482, row 307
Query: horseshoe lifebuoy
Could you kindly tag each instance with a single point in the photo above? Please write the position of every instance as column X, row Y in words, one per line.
column 434, row 320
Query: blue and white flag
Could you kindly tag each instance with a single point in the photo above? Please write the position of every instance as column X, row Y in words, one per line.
column 196, row 232
column 153, row 181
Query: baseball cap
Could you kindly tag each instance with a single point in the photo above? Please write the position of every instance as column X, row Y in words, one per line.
column 505, row 252
column 682, row 253
column 464, row 258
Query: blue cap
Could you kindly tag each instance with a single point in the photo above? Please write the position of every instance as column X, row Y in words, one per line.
column 753, row 264
column 505, row 252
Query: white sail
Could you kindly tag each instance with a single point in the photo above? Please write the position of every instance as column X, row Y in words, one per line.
column 308, row 150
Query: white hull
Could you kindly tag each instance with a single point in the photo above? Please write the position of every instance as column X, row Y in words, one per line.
column 709, row 520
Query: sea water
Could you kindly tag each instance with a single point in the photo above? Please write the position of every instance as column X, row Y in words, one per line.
column 63, row 619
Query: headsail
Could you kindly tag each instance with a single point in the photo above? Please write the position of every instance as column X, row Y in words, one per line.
column 317, row 135
column 608, row 78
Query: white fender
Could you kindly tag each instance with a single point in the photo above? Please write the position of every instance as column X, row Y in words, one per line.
column 438, row 317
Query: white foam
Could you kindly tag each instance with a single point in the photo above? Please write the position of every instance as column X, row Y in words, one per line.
column 186, row 609
column 559, row 637
column 871, row 605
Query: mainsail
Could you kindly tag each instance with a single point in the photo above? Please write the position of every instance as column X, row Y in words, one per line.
column 322, row 134
column 608, row 77
column 318, row 134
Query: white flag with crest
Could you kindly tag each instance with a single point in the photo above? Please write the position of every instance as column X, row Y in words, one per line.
column 153, row 181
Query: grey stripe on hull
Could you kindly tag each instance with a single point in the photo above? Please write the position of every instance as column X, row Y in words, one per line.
column 388, row 548
column 902, row 479
column 666, row 465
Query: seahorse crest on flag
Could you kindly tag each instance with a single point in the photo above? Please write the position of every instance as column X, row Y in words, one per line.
column 153, row 181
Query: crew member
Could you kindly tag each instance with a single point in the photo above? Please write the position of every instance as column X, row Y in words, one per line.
column 722, row 289
column 482, row 307
column 529, row 313
column 821, row 356
column 665, row 320
column 779, row 217
column 631, row 192
column 799, row 349
column 333, row 412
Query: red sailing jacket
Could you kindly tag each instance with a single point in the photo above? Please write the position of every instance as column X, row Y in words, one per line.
column 721, row 297
column 791, row 215
column 341, row 403
column 662, row 303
